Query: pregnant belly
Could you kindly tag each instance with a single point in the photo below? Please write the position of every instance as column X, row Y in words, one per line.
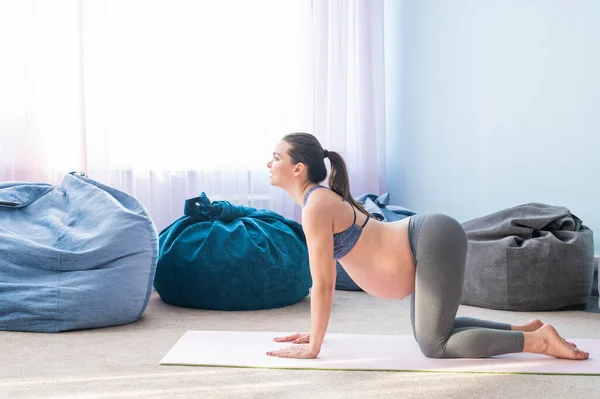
column 381, row 263
column 382, row 281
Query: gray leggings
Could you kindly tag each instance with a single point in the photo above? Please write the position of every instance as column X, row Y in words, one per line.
column 439, row 247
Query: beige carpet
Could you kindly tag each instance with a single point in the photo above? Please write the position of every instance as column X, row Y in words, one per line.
column 123, row 362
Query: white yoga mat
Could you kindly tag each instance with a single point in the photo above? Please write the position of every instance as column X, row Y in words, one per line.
column 361, row 352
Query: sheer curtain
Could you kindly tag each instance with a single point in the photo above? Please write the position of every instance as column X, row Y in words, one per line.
column 41, row 98
column 349, row 97
column 165, row 99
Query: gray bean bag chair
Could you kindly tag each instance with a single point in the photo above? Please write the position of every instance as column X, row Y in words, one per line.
column 532, row 257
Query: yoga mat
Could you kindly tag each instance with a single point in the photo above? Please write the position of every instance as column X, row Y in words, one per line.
column 362, row 352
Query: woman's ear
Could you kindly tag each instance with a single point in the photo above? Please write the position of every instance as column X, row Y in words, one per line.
column 299, row 168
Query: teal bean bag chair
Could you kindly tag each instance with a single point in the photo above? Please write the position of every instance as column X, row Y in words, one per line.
column 221, row 256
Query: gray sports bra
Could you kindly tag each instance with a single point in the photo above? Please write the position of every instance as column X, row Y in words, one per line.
column 344, row 241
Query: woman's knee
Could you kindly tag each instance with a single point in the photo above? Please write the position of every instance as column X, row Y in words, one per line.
column 431, row 350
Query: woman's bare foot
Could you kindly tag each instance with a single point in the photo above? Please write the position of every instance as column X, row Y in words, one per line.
column 547, row 341
column 534, row 325
column 530, row 326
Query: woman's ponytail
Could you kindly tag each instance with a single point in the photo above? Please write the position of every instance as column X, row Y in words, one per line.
column 339, row 181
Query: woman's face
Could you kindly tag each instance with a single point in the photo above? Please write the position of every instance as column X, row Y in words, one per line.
column 281, row 168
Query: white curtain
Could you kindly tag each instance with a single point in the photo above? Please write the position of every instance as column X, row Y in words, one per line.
column 165, row 99
column 349, row 98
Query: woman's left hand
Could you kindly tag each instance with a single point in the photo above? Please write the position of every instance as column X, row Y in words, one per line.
column 298, row 351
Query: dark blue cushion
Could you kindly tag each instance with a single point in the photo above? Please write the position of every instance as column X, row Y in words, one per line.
column 222, row 256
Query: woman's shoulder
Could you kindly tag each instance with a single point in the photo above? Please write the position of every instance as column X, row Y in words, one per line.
column 319, row 211
column 323, row 197
column 322, row 202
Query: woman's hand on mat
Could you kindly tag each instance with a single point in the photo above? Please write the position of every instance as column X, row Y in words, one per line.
column 297, row 338
column 301, row 351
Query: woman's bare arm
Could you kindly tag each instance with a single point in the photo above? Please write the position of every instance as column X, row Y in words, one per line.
column 318, row 228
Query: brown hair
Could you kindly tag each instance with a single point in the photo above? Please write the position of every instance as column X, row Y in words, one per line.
column 307, row 149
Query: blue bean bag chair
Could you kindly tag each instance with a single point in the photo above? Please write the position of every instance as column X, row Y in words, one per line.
column 74, row 256
column 220, row 256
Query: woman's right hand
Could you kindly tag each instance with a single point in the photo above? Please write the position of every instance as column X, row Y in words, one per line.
column 297, row 338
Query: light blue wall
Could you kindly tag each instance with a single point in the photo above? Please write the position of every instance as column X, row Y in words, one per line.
column 492, row 104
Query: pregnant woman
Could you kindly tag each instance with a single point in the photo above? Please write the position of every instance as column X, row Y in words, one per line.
column 423, row 256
